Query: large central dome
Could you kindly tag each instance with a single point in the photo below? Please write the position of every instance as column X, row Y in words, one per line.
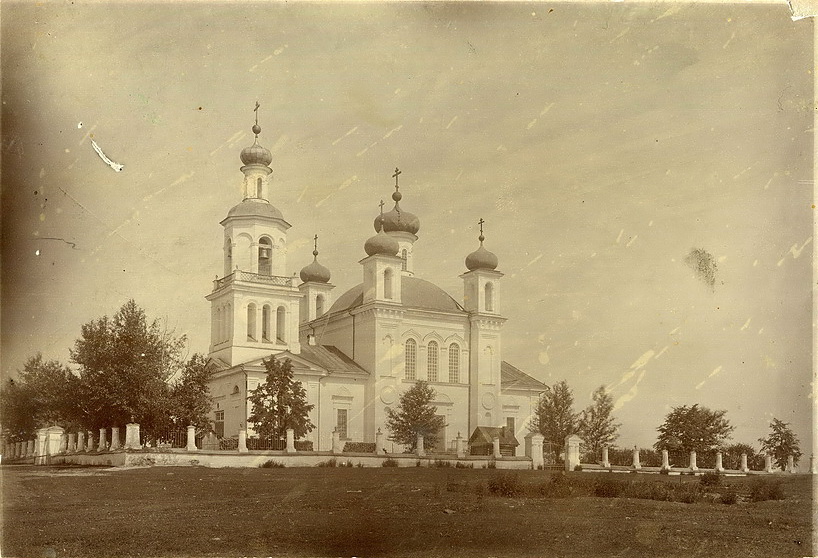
column 414, row 293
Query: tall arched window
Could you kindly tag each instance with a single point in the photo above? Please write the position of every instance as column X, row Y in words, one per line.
column 281, row 324
column 217, row 327
column 265, row 252
column 319, row 306
column 228, row 256
column 403, row 256
column 258, row 187
column 265, row 322
column 489, row 297
column 410, row 359
column 251, row 322
column 432, row 357
column 454, row 363
column 387, row 284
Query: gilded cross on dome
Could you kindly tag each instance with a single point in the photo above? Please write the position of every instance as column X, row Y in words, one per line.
column 395, row 176
column 481, row 237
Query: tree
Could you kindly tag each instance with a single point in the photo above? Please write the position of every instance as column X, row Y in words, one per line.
column 554, row 416
column 415, row 415
column 125, row 363
column 190, row 395
column 693, row 428
column 280, row 402
column 18, row 413
column 781, row 443
column 596, row 426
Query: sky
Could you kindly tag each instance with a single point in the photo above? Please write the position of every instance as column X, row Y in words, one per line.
column 601, row 143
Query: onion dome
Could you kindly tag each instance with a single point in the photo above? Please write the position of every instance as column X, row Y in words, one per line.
column 481, row 258
column 315, row 272
column 382, row 244
column 255, row 154
column 397, row 219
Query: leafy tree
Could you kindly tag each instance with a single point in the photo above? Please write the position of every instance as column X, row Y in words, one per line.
column 693, row 428
column 18, row 412
column 125, row 363
column 280, row 402
column 415, row 415
column 596, row 426
column 554, row 416
column 190, row 395
column 781, row 443
column 732, row 456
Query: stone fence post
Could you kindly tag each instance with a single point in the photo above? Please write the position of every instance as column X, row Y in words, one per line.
column 421, row 452
column 242, row 448
column 719, row 464
column 495, row 443
column 812, row 470
column 636, row 464
column 132, row 436
column 90, row 441
column 103, row 445
column 80, row 441
column 693, row 466
column 378, row 442
column 54, row 440
column 743, row 467
column 790, row 464
column 114, row 438
column 606, row 463
column 665, row 461
column 191, row 438
column 537, row 461
column 290, row 440
column 768, row 463
column 72, row 442
column 460, row 447
column 40, row 447
column 30, row 448
column 572, row 443
column 337, row 447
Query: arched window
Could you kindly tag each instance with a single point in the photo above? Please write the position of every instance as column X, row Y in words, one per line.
column 251, row 322
column 489, row 297
column 265, row 323
column 281, row 324
column 217, row 327
column 454, row 363
column 432, row 355
column 410, row 359
column 258, row 188
column 403, row 258
column 265, row 252
column 228, row 256
column 319, row 306
column 387, row 284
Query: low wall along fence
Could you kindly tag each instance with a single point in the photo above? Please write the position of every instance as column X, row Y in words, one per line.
column 114, row 446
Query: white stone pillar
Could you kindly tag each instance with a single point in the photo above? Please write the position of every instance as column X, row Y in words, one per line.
column 743, row 467
column 790, row 464
column 290, row 440
column 665, row 461
column 40, row 448
column 103, row 445
column 90, row 441
column 719, row 464
column 18, row 449
column 72, row 442
column 460, row 446
column 378, row 442
column 812, row 470
column 693, row 466
column 114, row 438
column 495, row 443
column 132, row 436
column 191, row 438
column 242, row 441
column 419, row 450
column 636, row 464
column 606, row 463
column 768, row 463
column 29, row 448
column 537, row 460
column 337, row 448
column 54, row 442
column 80, row 442
column 572, row 443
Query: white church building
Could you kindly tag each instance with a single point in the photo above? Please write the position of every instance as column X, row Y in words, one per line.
column 357, row 352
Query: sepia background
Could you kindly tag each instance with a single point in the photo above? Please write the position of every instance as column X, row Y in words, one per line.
column 601, row 144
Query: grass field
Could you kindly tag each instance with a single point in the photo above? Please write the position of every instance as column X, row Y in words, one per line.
column 409, row 512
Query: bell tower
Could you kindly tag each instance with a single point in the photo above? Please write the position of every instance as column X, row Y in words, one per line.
column 254, row 305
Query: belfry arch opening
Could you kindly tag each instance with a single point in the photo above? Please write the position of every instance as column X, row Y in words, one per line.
column 265, row 254
column 489, row 288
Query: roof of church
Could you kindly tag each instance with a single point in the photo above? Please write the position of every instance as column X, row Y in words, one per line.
column 414, row 293
column 485, row 435
column 254, row 208
column 330, row 358
column 512, row 377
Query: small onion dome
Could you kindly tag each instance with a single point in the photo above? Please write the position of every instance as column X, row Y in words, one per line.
column 398, row 220
column 481, row 259
column 381, row 243
column 315, row 271
column 256, row 155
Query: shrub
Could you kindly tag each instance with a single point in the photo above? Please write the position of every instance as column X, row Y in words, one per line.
column 578, row 467
column 389, row 463
column 762, row 489
column 461, row 465
column 348, row 464
column 359, row 447
column 729, row 496
column 271, row 464
column 609, row 487
column 441, row 463
column 664, row 472
column 710, row 479
column 505, row 484
column 329, row 463
column 418, row 463
column 492, row 465
column 687, row 493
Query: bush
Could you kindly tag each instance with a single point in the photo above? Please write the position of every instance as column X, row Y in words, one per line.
column 389, row 463
column 348, row 464
column 492, row 465
column 729, row 496
column 271, row 464
column 505, row 484
column 609, row 487
column 710, row 479
column 229, row 443
column 418, row 463
column 441, row 463
column 359, row 447
column 578, row 467
column 461, row 465
column 664, row 472
column 762, row 489
column 329, row 463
